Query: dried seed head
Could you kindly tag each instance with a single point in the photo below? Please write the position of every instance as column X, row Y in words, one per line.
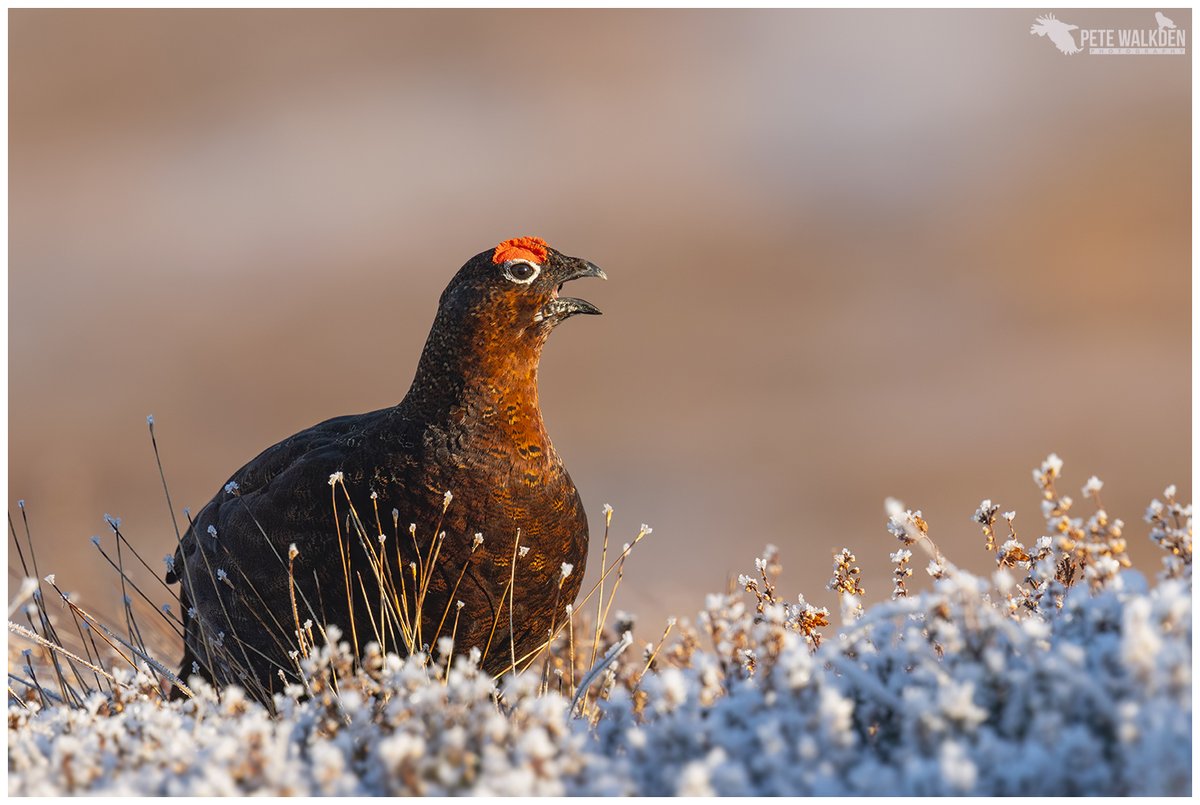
column 846, row 574
column 904, row 524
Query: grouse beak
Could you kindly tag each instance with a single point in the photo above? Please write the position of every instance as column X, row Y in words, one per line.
column 560, row 308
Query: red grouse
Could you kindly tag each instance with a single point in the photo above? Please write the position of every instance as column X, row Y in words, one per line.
column 349, row 523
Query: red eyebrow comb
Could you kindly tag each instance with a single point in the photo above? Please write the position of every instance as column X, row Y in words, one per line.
column 528, row 248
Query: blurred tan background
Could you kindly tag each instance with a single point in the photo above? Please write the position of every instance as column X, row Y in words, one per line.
column 852, row 255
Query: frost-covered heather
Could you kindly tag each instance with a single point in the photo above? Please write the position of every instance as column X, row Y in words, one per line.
column 1046, row 678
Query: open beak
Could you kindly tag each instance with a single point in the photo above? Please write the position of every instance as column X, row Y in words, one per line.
column 563, row 307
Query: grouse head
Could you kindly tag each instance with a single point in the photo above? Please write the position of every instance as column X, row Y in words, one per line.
column 513, row 290
column 494, row 318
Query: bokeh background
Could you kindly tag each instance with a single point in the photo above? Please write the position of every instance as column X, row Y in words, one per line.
column 852, row 255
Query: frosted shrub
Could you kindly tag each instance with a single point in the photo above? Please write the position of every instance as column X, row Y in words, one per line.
column 1062, row 673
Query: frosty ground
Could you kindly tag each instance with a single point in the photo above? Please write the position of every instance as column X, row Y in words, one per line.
column 1065, row 672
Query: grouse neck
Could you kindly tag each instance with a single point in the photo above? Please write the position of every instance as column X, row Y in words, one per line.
column 490, row 377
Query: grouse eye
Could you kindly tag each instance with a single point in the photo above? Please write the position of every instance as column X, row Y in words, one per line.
column 521, row 271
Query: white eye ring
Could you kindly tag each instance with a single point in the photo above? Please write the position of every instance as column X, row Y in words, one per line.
column 508, row 271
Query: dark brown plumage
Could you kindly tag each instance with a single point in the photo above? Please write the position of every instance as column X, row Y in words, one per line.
column 470, row 424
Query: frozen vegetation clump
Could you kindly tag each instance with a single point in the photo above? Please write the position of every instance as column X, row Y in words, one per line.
column 1063, row 672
